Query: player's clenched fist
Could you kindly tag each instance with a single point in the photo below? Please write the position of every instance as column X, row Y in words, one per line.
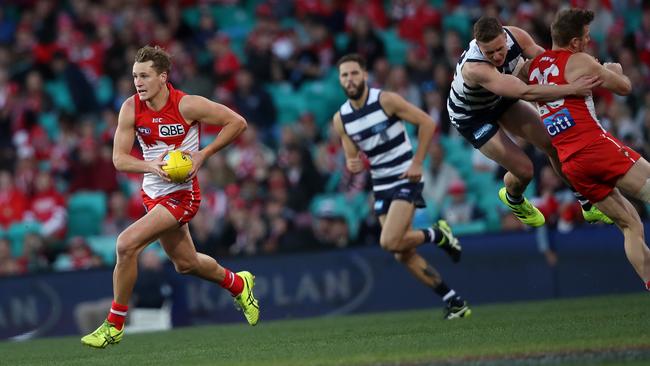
column 355, row 165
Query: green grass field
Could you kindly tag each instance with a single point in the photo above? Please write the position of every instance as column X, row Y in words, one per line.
column 608, row 330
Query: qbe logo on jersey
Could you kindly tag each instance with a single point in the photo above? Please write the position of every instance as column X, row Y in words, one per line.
column 171, row 130
column 559, row 122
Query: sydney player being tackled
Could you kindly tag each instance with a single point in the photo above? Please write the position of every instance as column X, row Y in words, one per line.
column 164, row 119
column 597, row 164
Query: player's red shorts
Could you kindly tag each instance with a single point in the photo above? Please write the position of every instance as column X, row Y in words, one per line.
column 595, row 169
column 182, row 204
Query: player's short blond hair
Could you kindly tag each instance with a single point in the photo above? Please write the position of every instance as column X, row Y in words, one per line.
column 162, row 61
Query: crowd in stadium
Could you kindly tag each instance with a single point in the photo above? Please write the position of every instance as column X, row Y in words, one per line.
column 65, row 69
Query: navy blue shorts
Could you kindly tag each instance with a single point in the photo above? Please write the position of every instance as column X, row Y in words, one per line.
column 478, row 130
column 410, row 192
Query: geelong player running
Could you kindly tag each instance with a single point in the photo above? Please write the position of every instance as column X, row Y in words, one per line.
column 598, row 165
column 486, row 95
column 163, row 118
column 371, row 121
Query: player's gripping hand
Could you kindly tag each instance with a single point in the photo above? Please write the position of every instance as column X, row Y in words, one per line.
column 197, row 160
column 413, row 173
column 155, row 167
column 354, row 165
column 584, row 84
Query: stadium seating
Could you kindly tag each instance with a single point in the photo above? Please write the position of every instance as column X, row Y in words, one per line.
column 60, row 94
column 353, row 208
column 50, row 123
column 396, row 48
column 103, row 246
column 86, row 212
column 17, row 232
column 62, row 263
column 289, row 104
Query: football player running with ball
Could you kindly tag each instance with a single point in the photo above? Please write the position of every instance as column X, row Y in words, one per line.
column 163, row 119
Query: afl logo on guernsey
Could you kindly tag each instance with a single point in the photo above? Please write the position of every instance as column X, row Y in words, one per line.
column 144, row 130
column 171, row 130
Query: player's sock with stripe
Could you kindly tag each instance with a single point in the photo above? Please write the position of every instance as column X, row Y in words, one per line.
column 647, row 286
column 584, row 202
column 448, row 295
column 514, row 200
column 232, row 282
column 433, row 235
column 117, row 315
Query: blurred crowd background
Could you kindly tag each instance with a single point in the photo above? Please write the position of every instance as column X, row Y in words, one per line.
column 65, row 69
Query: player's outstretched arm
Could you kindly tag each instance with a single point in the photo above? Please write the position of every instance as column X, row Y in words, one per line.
column 352, row 160
column 395, row 105
column 582, row 64
column 512, row 87
column 123, row 143
column 200, row 109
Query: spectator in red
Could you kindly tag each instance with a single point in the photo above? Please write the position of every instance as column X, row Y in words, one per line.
column 87, row 53
column 372, row 10
column 458, row 208
column 26, row 170
column 13, row 202
column 414, row 16
column 547, row 202
column 32, row 100
column 48, row 207
column 81, row 256
column 225, row 64
column 249, row 157
column 331, row 13
column 94, row 170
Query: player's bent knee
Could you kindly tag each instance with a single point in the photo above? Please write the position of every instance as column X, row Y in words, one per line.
column 635, row 226
column 185, row 267
column 126, row 247
column 403, row 257
column 525, row 174
column 630, row 223
column 388, row 242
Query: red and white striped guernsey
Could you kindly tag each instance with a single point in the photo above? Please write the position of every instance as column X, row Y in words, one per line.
column 164, row 130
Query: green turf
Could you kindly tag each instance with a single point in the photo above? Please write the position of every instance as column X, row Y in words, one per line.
column 513, row 333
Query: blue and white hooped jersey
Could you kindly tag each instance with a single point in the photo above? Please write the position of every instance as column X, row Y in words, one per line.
column 468, row 102
column 382, row 138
